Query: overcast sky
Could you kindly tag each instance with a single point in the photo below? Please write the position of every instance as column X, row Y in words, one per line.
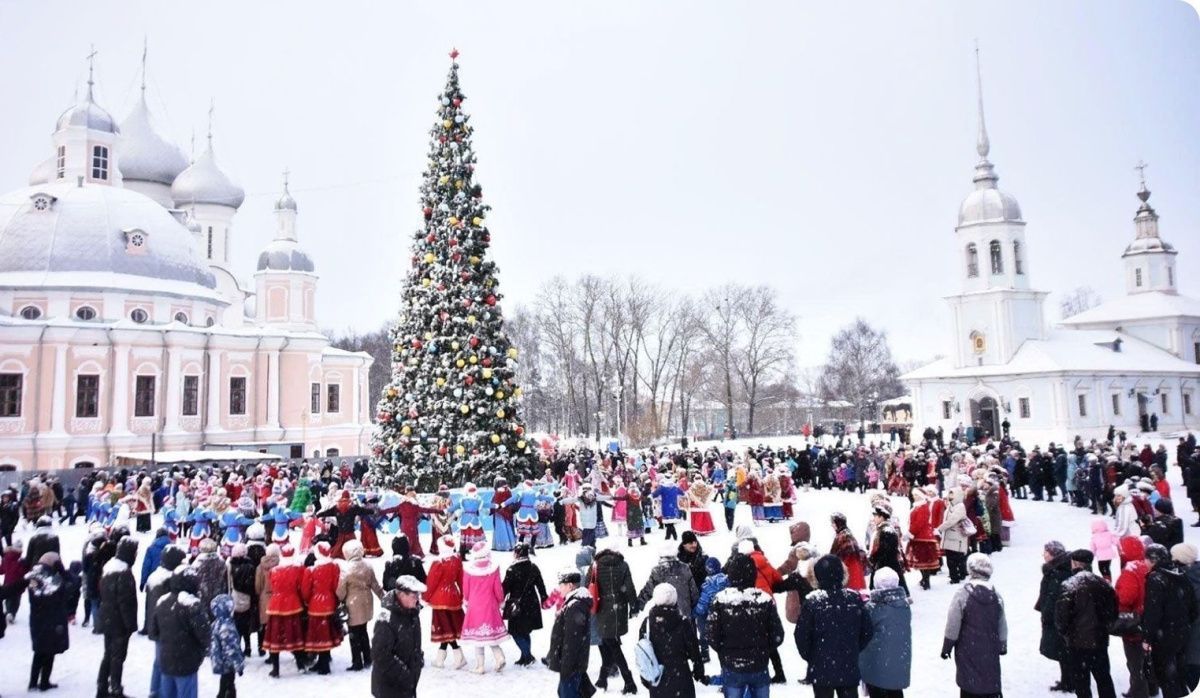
column 819, row 147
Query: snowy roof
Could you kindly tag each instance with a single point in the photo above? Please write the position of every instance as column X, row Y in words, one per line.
column 145, row 155
column 897, row 401
column 1138, row 306
column 1072, row 351
column 163, row 457
column 204, row 183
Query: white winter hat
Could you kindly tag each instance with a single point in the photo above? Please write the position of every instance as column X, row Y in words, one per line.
column 409, row 583
column 664, row 595
column 886, row 578
column 745, row 547
column 979, row 566
column 668, row 549
column 1121, row 491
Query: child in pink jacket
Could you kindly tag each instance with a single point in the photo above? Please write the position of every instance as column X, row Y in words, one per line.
column 1104, row 546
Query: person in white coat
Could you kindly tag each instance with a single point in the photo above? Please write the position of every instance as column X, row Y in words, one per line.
column 955, row 537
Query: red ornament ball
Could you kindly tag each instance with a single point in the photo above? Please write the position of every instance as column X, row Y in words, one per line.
column 431, row 238
column 491, row 300
column 428, row 212
column 469, row 380
column 486, row 362
column 474, row 341
column 457, row 101
column 416, row 344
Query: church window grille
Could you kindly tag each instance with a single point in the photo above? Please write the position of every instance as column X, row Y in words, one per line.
column 191, row 396
column 143, row 397
column 1116, row 400
column 1082, row 397
column 1164, row 399
column 237, row 395
column 210, row 242
column 85, row 312
column 99, row 162
column 60, row 162
column 996, row 257
column 87, row 395
column 1023, row 407
column 31, row 312
column 1137, row 277
column 334, row 403
column 11, row 385
column 1187, row 404
column 972, row 261
column 1018, row 263
column 315, row 399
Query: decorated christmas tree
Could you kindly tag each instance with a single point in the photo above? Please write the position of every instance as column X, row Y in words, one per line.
column 449, row 413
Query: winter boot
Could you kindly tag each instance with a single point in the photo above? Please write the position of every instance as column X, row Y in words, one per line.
column 478, row 661
column 498, row 655
column 273, row 660
column 460, row 661
column 323, row 663
column 440, row 660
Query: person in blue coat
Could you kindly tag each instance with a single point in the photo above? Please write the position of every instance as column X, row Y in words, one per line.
column 280, row 519
column 714, row 583
column 153, row 555
column 886, row 663
column 834, row 628
column 669, row 493
column 225, row 646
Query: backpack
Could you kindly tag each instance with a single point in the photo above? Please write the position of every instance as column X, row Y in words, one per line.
column 648, row 665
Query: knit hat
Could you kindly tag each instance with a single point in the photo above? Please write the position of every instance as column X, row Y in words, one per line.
column 712, row 565
column 979, row 566
column 886, row 578
column 1157, row 554
column 1054, row 548
column 480, row 551
column 883, row 511
column 741, row 571
column 668, row 549
column 448, row 544
column 172, row 557
column 664, row 595
column 1184, row 553
column 208, row 545
column 745, row 547
column 1164, row 506
column 830, row 572
column 520, row 551
column 1082, row 555
column 570, row 576
column 688, row 537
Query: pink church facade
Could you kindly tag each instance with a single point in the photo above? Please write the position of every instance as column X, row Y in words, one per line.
column 121, row 321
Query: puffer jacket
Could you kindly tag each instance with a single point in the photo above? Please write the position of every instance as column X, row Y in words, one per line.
column 674, row 641
column 402, row 563
column 673, row 571
column 1054, row 573
column 569, row 647
column 213, row 577
column 617, row 595
column 158, row 583
column 743, row 627
column 358, row 587
column 977, row 632
column 396, row 658
column 714, row 585
column 181, row 625
column 118, row 592
column 1084, row 611
column 1171, row 608
column 225, row 646
column 833, row 629
column 886, row 661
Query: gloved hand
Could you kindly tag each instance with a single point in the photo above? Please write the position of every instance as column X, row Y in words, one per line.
column 947, row 645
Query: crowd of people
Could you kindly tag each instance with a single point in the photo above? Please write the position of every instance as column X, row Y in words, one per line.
column 273, row 559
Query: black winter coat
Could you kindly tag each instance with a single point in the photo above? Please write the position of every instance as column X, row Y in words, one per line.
column 743, row 627
column 618, row 596
column 241, row 572
column 182, row 627
column 1166, row 530
column 41, row 542
column 569, row 646
column 673, row 571
column 1170, row 608
column 695, row 563
column 834, row 628
column 118, row 595
column 53, row 596
column 1083, row 612
column 524, row 592
column 1054, row 573
column 396, row 658
column 676, row 648
column 401, row 564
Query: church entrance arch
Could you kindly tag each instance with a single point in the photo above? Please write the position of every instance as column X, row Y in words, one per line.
column 985, row 414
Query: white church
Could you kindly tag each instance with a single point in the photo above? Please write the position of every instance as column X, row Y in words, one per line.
column 1136, row 356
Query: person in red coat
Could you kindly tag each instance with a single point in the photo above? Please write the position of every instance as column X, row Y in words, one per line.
column 846, row 548
column 924, row 548
column 346, row 513
column 1131, row 598
column 443, row 593
column 321, row 633
column 410, row 519
column 285, row 611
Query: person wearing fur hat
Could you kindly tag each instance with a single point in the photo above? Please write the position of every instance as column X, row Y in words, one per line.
column 1126, row 515
column 1082, row 616
column 569, row 649
column 444, row 596
column 671, row 570
column 285, row 610
column 322, row 632
column 1055, row 570
column 483, row 626
column 834, row 628
column 674, row 641
column 976, row 631
column 357, row 588
column 396, row 659
column 886, row 662
column 923, row 553
column 846, row 548
column 1171, row 608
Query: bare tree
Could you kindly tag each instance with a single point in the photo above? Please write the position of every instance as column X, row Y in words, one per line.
column 378, row 344
column 1077, row 301
column 720, row 307
column 770, row 335
column 860, row 369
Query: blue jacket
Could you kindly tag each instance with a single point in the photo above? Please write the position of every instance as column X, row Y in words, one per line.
column 712, row 586
column 526, row 497
column 224, row 645
column 670, row 501
column 887, row 661
column 152, row 558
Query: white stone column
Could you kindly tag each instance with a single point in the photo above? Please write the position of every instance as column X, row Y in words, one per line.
column 58, row 405
column 120, row 384
column 273, row 359
column 213, row 394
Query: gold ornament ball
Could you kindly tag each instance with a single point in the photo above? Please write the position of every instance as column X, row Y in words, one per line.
column 405, row 430
column 429, row 258
column 474, row 260
column 460, row 363
column 454, row 345
column 474, row 359
column 443, row 179
column 425, row 282
column 441, row 381
column 517, row 392
column 499, row 394
column 495, row 438
column 521, row 443
column 470, row 319
column 464, row 409
column 487, row 373
column 459, row 449
column 447, row 123
column 453, row 220
column 500, row 414
column 512, row 352
column 477, row 221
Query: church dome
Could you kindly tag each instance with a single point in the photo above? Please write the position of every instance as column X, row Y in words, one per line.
column 284, row 255
column 989, row 205
column 89, row 115
column 60, row 228
column 204, row 183
column 145, row 155
column 285, row 202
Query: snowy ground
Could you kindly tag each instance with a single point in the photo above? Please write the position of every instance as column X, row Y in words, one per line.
column 1017, row 572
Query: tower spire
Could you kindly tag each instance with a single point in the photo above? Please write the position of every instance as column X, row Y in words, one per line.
column 91, row 69
column 212, row 102
column 983, row 146
column 145, row 46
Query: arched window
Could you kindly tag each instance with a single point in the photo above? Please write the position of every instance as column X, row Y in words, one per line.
column 972, row 261
column 85, row 312
column 181, row 317
column 997, row 258
column 1017, row 266
column 31, row 312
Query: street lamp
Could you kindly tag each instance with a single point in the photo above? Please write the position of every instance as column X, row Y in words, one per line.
column 620, row 390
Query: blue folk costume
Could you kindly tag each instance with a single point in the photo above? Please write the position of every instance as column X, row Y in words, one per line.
column 280, row 519
column 545, row 509
column 171, row 522
column 526, row 517
column 669, row 493
column 504, row 536
column 470, row 524
column 201, row 520
column 235, row 524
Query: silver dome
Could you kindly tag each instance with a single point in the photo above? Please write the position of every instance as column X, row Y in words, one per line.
column 204, row 183
column 1149, row 245
column 145, row 155
column 284, row 255
column 45, row 171
column 285, row 202
column 84, row 230
column 89, row 115
column 989, row 206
